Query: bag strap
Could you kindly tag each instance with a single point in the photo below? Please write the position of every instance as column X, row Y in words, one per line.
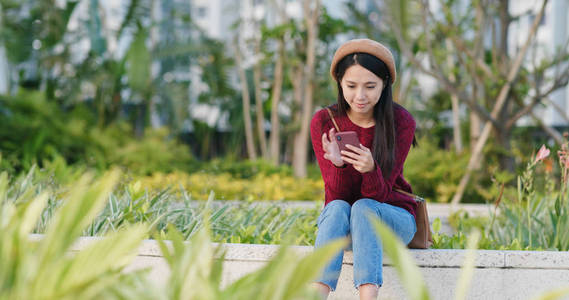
column 415, row 197
column 332, row 118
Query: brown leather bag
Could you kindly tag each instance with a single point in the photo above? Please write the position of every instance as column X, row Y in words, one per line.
column 422, row 238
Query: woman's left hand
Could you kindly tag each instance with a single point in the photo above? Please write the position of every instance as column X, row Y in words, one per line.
column 360, row 158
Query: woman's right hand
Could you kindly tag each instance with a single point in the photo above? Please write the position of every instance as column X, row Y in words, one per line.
column 331, row 149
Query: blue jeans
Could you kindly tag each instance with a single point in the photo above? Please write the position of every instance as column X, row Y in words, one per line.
column 339, row 219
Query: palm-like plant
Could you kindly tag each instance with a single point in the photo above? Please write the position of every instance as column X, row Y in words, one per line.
column 196, row 270
column 44, row 268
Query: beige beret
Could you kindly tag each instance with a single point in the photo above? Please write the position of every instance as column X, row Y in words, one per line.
column 365, row 46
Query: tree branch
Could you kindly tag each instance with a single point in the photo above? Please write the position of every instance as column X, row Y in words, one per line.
column 432, row 58
column 438, row 74
column 559, row 82
column 552, row 132
column 500, row 101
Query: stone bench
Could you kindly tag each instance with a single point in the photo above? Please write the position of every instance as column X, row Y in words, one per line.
column 498, row 274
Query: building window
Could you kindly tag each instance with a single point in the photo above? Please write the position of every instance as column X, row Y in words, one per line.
column 201, row 11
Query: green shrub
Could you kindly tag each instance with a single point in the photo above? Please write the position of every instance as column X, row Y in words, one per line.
column 434, row 173
column 35, row 131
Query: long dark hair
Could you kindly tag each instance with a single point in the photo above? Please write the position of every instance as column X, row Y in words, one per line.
column 383, row 149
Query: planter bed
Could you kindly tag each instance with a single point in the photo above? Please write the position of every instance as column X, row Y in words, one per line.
column 498, row 274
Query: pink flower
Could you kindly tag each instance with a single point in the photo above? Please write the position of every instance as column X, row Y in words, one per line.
column 541, row 154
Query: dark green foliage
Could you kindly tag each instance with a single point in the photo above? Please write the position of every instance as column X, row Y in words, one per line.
column 35, row 131
column 434, row 173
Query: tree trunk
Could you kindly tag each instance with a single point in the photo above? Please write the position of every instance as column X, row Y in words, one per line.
column 259, row 104
column 300, row 154
column 297, row 80
column 503, row 139
column 246, row 104
column 275, row 139
column 4, row 70
column 298, row 84
column 405, row 80
column 474, row 129
column 456, row 134
column 504, row 26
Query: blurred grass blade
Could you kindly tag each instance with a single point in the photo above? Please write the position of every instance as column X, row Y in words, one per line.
column 3, row 187
column 309, row 267
column 113, row 252
column 31, row 213
column 555, row 294
column 285, row 276
column 468, row 267
column 265, row 283
column 409, row 273
column 86, row 199
column 191, row 265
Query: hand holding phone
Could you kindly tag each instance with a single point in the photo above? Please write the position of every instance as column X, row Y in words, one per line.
column 357, row 155
column 331, row 148
column 347, row 138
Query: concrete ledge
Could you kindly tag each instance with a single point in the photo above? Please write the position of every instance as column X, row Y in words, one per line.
column 442, row 258
column 498, row 274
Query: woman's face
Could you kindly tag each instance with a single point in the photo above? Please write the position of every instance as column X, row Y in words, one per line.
column 361, row 88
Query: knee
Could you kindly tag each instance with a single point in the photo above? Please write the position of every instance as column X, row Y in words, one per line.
column 338, row 211
column 363, row 208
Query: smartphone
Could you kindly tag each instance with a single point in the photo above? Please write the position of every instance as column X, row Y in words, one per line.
column 347, row 138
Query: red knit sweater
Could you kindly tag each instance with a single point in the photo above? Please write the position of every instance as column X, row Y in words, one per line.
column 350, row 185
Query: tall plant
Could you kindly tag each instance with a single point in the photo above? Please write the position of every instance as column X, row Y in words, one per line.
column 538, row 217
column 196, row 269
column 43, row 269
column 411, row 278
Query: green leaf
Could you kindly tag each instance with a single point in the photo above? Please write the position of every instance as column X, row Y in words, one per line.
column 437, row 225
column 80, row 274
column 86, row 199
column 308, row 268
column 139, row 60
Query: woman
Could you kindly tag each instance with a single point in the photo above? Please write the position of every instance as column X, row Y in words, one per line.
column 361, row 180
